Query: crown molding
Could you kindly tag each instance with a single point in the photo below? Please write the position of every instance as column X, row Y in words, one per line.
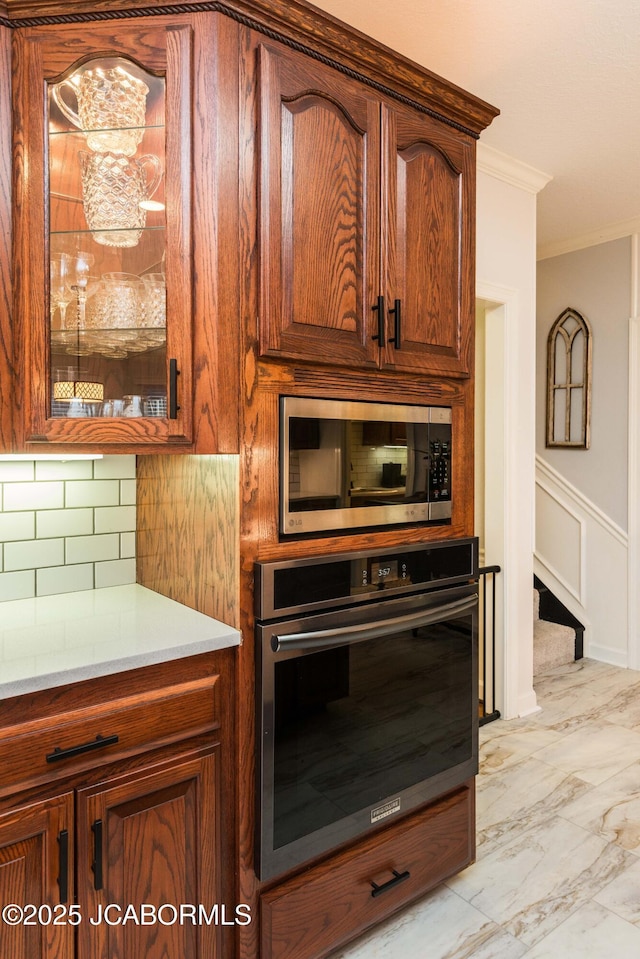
column 604, row 234
column 507, row 168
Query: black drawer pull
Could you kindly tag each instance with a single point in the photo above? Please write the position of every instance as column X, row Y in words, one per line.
column 96, row 865
column 63, row 864
column 398, row 877
column 98, row 743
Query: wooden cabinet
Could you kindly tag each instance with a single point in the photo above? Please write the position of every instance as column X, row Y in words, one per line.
column 146, row 838
column 36, row 852
column 130, row 819
column 368, row 882
column 149, row 333
column 103, row 232
column 428, row 228
column 366, row 225
column 150, row 838
column 319, row 211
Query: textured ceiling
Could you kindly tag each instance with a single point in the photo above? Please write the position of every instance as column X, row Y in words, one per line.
column 565, row 75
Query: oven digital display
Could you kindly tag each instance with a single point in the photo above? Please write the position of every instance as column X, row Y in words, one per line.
column 383, row 571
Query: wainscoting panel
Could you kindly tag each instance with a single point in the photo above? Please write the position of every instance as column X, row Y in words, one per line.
column 560, row 540
column 582, row 556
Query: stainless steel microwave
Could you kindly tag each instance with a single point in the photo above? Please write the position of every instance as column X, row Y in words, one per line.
column 347, row 465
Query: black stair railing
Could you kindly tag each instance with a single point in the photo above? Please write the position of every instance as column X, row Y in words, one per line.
column 487, row 642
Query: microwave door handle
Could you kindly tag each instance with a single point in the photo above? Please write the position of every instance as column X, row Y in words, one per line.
column 344, row 635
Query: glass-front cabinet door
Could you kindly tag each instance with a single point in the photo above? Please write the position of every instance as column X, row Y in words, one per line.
column 105, row 285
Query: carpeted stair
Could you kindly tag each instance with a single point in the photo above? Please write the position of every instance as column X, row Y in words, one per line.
column 553, row 644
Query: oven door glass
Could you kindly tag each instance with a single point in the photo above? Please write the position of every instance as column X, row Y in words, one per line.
column 365, row 729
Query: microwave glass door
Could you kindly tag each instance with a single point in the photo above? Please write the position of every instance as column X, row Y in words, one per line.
column 349, row 465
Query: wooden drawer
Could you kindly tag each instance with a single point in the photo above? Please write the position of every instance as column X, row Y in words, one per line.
column 78, row 739
column 318, row 911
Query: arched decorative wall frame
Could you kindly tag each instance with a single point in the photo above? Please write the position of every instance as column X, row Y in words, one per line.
column 569, row 359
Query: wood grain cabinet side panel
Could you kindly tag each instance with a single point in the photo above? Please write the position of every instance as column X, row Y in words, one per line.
column 7, row 384
column 316, row 912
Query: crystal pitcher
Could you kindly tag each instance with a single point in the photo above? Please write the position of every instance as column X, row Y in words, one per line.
column 111, row 105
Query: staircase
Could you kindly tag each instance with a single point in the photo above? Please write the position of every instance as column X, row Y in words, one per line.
column 557, row 635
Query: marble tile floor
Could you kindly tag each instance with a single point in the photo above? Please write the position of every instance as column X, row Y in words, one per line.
column 558, row 850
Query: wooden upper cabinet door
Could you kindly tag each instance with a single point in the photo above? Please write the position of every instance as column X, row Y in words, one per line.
column 428, row 245
column 36, row 869
column 149, row 840
column 319, row 232
column 121, row 337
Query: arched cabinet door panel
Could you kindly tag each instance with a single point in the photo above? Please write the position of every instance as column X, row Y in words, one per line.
column 319, row 211
column 366, row 224
column 428, row 244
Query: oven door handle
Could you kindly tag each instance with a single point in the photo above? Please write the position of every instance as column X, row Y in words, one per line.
column 344, row 635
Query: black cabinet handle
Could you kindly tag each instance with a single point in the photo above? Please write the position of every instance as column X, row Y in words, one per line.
column 96, row 865
column 63, row 864
column 398, row 877
column 174, row 373
column 379, row 307
column 396, row 312
column 98, row 743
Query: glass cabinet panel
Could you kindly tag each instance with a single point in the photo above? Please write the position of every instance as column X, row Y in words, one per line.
column 107, row 241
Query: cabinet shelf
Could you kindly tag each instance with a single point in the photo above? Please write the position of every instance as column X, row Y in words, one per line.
column 87, row 232
column 104, row 341
column 80, row 132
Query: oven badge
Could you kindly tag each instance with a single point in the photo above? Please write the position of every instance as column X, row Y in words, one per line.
column 388, row 809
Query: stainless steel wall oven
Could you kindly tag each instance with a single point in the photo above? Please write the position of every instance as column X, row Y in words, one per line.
column 367, row 692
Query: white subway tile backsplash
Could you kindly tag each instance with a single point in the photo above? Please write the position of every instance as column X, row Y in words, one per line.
column 16, row 526
column 16, row 472
column 64, row 469
column 20, row 585
column 115, row 467
column 33, row 554
column 23, row 496
column 66, row 526
column 64, row 522
column 117, row 573
column 115, row 519
column 64, row 579
column 127, row 545
column 92, row 493
column 92, row 549
column 128, row 492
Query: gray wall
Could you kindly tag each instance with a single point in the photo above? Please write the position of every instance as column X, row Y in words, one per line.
column 597, row 283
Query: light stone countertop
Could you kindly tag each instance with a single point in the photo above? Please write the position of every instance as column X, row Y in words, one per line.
column 54, row 640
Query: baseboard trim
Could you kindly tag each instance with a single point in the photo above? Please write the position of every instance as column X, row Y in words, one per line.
column 614, row 657
column 528, row 704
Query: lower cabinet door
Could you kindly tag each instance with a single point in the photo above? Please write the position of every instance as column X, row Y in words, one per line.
column 36, row 880
column 317, row 911
column 147, row 859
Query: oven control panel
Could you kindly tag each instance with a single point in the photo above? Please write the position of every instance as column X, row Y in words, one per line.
column 309, row 583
